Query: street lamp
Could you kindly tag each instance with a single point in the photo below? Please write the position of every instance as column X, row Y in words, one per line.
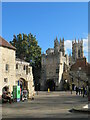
column 71, row 80
column 37, row 89
column 71, row 83
column 78, row 78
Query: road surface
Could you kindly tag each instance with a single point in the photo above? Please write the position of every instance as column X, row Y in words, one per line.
column 46, row 105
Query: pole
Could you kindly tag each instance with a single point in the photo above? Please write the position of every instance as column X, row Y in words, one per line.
column 37, row 89
column 71, row 85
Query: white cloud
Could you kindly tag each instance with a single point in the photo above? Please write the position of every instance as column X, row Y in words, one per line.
column 68, row 46
column 85, row 45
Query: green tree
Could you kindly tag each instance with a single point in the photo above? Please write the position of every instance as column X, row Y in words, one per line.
column 27, row 49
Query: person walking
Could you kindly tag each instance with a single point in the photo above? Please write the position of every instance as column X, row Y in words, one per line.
column 83, row 91
column 79, row 90
column 76, row 90
column 87, row 90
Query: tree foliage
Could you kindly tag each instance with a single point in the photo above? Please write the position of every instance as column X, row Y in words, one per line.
column 27, row 48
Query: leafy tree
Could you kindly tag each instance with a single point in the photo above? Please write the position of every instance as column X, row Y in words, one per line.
column 27, row 49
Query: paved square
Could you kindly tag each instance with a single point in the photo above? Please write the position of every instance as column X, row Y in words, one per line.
column 46, row 105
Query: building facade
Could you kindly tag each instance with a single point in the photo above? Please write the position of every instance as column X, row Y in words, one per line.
column 24, row 76
column 53, row 63
column 14, row 71
column 79, row 72
column 7, row 65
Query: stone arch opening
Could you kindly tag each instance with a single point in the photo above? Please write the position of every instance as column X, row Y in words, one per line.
column 51, row 84
column 23, row 84
column 5, row 89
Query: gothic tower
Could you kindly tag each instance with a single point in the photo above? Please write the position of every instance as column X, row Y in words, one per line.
column 56, row 45
column 62, row 49
column 77, row 49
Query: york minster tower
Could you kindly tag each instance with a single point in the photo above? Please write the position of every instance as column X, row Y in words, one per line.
column 77, row 49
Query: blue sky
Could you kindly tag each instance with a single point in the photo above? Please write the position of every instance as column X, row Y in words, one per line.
column 46, row 21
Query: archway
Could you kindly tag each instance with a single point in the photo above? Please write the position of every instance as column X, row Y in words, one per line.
column 23, row 84
column 5, row 89
column 51, row 85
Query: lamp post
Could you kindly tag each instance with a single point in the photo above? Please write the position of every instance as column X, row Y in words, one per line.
column 71, row 80
column 78, row 78
column 71, row 83
column 37, row 89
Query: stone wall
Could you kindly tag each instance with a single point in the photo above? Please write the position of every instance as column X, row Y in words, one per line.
column 7, row 59
column 24, row 71
column 52, row 68
column 9, row 75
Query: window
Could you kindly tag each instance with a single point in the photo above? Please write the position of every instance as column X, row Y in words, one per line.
column 26, row 70
column 57, row 70
column 7, row 67
column 24, row 67
column 78, row 53
column 16, row 66
column 5, row 80
column 29, row 70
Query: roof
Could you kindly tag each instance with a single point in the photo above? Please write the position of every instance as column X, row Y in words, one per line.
column 4, row 43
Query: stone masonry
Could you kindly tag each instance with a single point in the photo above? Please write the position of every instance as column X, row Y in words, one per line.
column 53, row 63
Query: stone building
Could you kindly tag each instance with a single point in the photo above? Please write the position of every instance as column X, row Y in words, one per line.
column 77, row 74
column 53, row 63
column 12, row 70
column 79, row 71
column 7, row 65
column 24, row 76
column 77, row 50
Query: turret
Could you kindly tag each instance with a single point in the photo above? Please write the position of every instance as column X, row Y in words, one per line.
column 75, row 40
column 77, row 49
column 78, row 40
column 62, row 49
column 56, row 45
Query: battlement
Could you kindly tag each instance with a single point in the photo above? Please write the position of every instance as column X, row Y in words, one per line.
column 77, row 41
column 49, row 51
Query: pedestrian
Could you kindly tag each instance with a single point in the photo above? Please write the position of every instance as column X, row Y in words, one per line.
column 87, row 90
column 24, row 96
column 8, row 97
column 79, row 90
column 74, row 88
column 83, row 91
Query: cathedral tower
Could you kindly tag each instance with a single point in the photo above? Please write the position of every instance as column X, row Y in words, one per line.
column 56, row 45
column 62, row 49
column 77, row 49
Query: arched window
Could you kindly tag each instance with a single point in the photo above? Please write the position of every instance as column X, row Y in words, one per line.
column 16, row 66
column 24, row 67
column 78, row 53
column 7, row 67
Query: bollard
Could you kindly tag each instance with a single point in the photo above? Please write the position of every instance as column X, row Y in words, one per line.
column 48, row 90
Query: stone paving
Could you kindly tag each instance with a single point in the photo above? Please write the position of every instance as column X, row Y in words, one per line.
column 46, row 105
